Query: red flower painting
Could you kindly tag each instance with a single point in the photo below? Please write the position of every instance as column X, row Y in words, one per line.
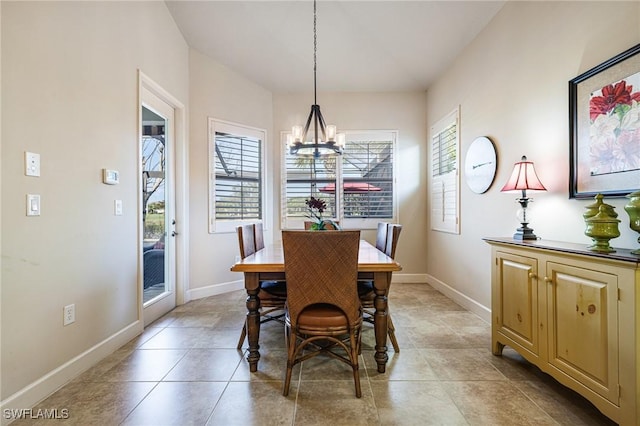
column 614, row 130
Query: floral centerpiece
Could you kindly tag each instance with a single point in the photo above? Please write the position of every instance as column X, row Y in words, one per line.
column 316, row 208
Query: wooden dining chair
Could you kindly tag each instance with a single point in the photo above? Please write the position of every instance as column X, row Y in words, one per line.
column 275, row 288
column 272, row 294
column 323, row 312
column 381, row 236
column 386, row 241
column 258, row 232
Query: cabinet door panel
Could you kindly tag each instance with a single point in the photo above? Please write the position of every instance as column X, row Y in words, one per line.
column 583, row 326
column 516, row 299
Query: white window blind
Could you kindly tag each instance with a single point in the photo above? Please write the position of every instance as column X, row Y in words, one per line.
column 445, row 186
column 238, row 183
column 237, row 175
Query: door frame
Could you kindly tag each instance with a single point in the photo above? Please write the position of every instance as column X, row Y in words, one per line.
column 180, row 196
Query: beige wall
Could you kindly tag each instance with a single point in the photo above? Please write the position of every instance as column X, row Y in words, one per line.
column 404, row 112
column 70, row 93
column 512, row 85
column 219, row 93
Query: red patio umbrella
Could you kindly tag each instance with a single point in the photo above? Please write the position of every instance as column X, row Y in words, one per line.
column 351, row 187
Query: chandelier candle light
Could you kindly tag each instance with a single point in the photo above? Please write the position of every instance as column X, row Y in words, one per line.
column 325, row 140
column 522, row 178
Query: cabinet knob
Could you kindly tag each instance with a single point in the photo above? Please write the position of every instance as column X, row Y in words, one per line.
column 547, row 280
column 532, row 276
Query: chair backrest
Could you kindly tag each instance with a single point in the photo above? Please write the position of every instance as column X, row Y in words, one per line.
column 259, row 235
column 322, row 267
column 393, row 235
column 381, row 236
column 246, row 240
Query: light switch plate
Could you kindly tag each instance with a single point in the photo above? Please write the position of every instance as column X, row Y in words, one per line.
column 117, row 207
column 33, row 205
column 31, row 164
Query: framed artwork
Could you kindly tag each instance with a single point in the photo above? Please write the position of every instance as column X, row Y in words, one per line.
column 604, row 128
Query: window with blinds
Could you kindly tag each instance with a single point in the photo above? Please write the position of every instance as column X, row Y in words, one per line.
column 237, row 175
column 367, row 176
column 357, row 186
column 445, row 185
column 309, row 177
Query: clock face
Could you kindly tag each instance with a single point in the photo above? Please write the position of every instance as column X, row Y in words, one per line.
column 480, row 164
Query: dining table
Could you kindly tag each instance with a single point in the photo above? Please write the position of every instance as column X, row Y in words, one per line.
column 267, row 264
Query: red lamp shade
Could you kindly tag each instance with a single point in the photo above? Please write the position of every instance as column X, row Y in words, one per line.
column 523, row 177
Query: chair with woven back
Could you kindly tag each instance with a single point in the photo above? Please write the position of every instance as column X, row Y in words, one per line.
column 272, row 294
column 386, row 241
column 323, row 312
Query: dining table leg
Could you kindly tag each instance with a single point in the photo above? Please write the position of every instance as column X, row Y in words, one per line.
column 252, row 286
column 381, row 288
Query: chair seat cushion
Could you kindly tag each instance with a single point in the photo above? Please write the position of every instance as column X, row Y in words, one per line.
column 275, row 288
column 322, row 315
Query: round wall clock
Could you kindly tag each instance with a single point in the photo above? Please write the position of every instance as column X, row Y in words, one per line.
column 480, row 164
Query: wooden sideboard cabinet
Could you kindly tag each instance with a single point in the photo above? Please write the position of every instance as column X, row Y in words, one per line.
column 575, row 314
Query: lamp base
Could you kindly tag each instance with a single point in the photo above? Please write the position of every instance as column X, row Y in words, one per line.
column 524, row 233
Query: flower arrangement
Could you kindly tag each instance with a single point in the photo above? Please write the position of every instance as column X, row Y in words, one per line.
column 316, row 208
column 615, row 128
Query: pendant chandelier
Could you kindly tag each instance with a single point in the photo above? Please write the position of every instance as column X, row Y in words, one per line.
column 324, row 139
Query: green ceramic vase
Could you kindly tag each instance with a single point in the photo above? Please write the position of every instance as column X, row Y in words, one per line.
column 633, row 210
column 601, row 228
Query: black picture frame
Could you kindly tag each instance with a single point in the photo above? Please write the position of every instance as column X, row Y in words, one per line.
column 593, row 141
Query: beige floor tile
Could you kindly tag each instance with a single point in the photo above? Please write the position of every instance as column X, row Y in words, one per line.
column 177, row 403
column 93, row 403
column 206, row 365
column 195, row 319
column 461, row 364
column 272, row 366
column 177, row 338
column 144, row 365
column 415, row 403
column 495, row 403
column 327, row 402
column 409, row 364
column 564, row 406
column 254, row 403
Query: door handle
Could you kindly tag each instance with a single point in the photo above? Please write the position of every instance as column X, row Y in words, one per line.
column 174, row 233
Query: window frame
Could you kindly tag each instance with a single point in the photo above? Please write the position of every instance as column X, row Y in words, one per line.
column 293, row 222
column 238, row 130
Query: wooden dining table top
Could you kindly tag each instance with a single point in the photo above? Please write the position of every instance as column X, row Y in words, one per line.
column 271, row 259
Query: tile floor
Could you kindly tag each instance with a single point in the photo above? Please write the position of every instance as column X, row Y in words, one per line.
column 184, row 370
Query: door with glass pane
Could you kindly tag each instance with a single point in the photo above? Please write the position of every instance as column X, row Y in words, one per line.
column 158, row 210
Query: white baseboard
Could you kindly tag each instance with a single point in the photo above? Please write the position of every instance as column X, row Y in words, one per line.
column 40, row 389
column 215, row 289
column 408, row 278
column 460, row 298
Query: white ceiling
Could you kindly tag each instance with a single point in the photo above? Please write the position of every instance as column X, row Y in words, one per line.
column 365, row 46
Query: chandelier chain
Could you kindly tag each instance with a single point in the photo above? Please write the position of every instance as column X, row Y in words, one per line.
column 315, row 50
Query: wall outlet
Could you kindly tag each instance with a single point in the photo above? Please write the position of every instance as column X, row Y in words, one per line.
column 31, row 164
column 69, row 314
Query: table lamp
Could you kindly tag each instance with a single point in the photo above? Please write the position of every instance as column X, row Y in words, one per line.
column 522, row 178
